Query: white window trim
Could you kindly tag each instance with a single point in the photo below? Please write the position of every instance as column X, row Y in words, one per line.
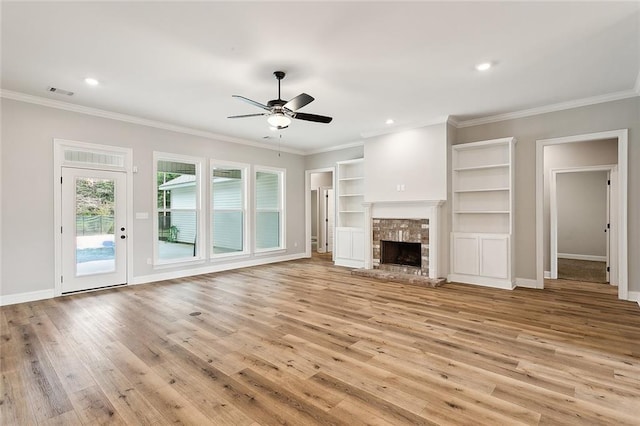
column 282, row 203
column 245, row 205
column 200, row 221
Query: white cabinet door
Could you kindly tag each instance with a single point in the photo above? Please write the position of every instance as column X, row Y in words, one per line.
column 465, row 255
column 494, row 256
column 357, row 245
column 343, row 243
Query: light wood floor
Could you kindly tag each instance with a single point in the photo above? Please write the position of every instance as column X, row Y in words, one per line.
column 304, row 342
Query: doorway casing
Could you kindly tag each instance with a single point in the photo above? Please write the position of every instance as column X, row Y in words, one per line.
column 621, row 207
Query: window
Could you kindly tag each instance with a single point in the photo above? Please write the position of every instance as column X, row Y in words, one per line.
column 228, row 209
column 269, row 230
column 178, row 231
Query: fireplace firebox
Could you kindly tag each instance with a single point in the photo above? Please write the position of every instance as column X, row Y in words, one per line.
column 400, row 253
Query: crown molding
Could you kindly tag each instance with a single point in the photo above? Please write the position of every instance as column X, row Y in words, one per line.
column 551, row 108
column 67, row 106
column 335, row 148
column 398, row 129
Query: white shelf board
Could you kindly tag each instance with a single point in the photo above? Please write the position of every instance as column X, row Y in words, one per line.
column 462, row 191
column 351, row 178
column 483, row 167
column 481, row 212
column 351, row 195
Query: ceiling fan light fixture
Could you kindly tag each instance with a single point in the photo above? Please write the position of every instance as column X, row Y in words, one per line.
column 279, row 120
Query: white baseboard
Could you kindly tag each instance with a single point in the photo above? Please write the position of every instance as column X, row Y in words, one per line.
column 582, row 257
column 634, row 296
column 144, row 279
column 526, row 283
column 547, row 275
column 31, row 296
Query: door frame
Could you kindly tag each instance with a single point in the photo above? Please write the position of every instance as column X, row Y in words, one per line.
column 324, row 214
column 124, row 157
column 307, row 204
column 622, row 136
column 611, row 256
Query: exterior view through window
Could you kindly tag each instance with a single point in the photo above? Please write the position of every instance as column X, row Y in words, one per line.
column 269, row 202
column 177, row 201
column 228, row 204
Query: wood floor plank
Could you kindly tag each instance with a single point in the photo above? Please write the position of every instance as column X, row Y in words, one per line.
column 305, row 342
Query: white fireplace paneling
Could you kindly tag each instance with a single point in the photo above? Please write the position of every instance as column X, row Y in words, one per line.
column 409, row 165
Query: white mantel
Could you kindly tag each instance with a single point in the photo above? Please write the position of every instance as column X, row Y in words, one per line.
column 427, row 209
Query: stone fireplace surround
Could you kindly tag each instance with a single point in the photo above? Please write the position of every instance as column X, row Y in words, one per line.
column 427, row 212
column 404, row 231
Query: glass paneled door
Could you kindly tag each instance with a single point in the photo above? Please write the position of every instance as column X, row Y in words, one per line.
column 94, row 229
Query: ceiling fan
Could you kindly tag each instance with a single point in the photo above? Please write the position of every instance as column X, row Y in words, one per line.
column 280, row 112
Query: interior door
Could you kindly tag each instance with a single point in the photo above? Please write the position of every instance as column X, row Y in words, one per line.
column 94, row 247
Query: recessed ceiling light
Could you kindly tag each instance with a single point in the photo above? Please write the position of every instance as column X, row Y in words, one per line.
column 389, row 121
column 91, row 81
column 483, row 66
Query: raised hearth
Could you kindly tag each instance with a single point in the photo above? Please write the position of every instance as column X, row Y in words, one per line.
column 399, row 277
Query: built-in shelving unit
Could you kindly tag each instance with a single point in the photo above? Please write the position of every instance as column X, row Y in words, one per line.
column 482, row 222
column 350, row 214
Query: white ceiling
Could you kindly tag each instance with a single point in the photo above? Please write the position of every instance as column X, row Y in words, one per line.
column 364, row 62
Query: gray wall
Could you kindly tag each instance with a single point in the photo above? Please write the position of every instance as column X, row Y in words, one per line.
column 622, row 114
column 27, row 134
column 321, row 179
column 582, row 213
column 329, row 158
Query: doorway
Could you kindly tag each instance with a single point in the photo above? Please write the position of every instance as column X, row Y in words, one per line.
column 581, row 223
column 322, row 219
column 618, row 237
column 93, row 195
column 94, row 229
column 320, row 211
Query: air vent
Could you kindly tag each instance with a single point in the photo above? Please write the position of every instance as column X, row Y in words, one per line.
column 59, row 91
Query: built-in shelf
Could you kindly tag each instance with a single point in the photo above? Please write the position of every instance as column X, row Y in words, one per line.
column 482, row 213
column 350, row 238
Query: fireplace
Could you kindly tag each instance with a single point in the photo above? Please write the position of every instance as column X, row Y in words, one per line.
column 401, row 245
column 400, row 253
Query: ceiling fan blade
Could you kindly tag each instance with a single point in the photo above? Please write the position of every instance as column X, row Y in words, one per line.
column 298, row 102
column 248, row 115
column 252, row 102
column 312, row 117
